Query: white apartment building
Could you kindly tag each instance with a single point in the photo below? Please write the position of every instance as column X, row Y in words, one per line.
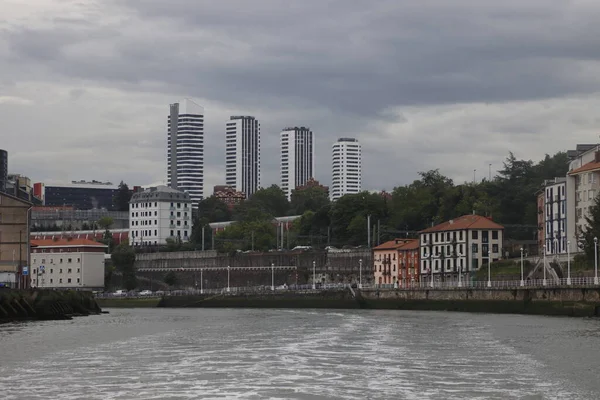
column 582, row 185
column 297, row 158
column 67, row 263
column 346, row 163
column 555, row 216
column 157, row 214
column 185, row 148
column 461, row 245
column 242, row 154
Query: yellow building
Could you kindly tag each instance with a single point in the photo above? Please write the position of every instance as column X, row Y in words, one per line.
column 15, row 215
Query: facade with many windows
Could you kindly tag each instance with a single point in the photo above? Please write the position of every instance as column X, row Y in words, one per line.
column 555, row 216
column 297, row 158
column 157, row 214
column 396, row 262
column 346, row 164
column 185, row 148
column 242, row 154
column 459, row 246
column 67, row 263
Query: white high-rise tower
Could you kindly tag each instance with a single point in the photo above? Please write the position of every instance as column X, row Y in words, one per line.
column 297, row 158
column 185, row 149
column 242, row 154
column 346, row 166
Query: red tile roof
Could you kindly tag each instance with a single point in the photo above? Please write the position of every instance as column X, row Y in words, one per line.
column 464, row 222
column 65, row 242
column 591, row 166
column 396, row 244
column 412, row 245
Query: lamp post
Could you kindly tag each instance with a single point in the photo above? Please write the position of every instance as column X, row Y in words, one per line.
column 544, row 281
column 489, row 283
column 522, row 280
column 459, row 276
column 228, row 270
column 201, row 282
column 314, row 285
column 360, row 273
column 595, row 261
column 568, row 262
column 273, row 276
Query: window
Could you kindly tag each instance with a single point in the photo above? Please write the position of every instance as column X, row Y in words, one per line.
column 78, row 270
column 51, row 271
column 78, row 260
column 78, row 280
column 185, row 233
column 69, row 271
column 178, row 214
column 60, row 271
column 494, row 235
column 494, row 248
column 61, row 261
column 475, row 235
column 60, row 280
column 69, row 280
column 460, row 235
column 155, row 232
column 475, row 248
column 43, row 261
column 172, row 232
column 51, row 280
column 69, row 260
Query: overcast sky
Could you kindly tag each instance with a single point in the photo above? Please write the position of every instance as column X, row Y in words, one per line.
column 85, row 85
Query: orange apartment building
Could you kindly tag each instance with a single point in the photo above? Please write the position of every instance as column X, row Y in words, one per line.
column 396, row 262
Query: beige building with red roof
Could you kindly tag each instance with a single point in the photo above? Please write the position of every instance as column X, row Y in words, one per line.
column 583, row 184
column 460, row 245
column 67, row 263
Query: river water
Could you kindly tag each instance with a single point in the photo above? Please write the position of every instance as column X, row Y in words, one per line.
column 300, row 354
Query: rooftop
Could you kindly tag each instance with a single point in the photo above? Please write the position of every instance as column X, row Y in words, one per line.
column 63, row 242
column 465, row 222
column 395, row 244
column 160, row 193
column 591, row 166
column 189, row 106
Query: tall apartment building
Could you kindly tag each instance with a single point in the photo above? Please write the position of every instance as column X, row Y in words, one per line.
column 242, row 154
column 346, row 163
column 3, row 169
column 297, row 158
column 185, row 148
column 555, row 213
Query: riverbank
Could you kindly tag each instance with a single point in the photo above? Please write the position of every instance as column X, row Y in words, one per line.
column 577, row 302
column 128, row 302
column 34, row 304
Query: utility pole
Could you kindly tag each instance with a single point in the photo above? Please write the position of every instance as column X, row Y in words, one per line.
column 378, row 232
column 203, row 238
column 369, row 231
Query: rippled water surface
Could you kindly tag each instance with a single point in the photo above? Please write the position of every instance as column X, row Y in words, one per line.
column 300, row 354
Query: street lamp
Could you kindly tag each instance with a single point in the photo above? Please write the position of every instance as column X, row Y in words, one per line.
column 544, row 281
column 201, row 282
column 489, row 283
column 595, row 261
column 228, row 270
column 314, row 285
column 568, row 262
column 360, row 273
column 522, row 280
column 273, row 276
column 459, row 276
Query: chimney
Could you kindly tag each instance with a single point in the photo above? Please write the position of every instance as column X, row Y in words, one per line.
column 451, row 221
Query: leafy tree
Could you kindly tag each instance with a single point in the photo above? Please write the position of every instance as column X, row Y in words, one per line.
column 348, row 210
column 122, row 197
column 170, row 278
column 265, row 203
column 311, row 198
column 246, row 235
column 105, row 222
column 592, row 231
column 213, row 210
column 123, row 258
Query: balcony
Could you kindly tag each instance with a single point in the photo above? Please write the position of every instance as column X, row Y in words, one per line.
column 172, row 208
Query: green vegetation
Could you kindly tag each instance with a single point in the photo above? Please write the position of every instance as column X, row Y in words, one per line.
column 504, row 269
column 123, row 258
column 122, row 197
column 170, row 278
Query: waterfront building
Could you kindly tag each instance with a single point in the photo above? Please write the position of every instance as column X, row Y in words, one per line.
column 67, row 263
column 297, row 158
column 228, row 195
column 346, row 164
column 395, row 262
column 81, row 195
column 242, row 154
column 185, row 149
column 15, row 220
column 582, row 186
column 541, row 220
column 459, row 246
column 159, row 213
column 555, row 204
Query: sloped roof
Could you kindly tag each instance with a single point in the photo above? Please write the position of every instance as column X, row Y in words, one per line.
column 591, row 166
column 65, row 242
column 412, row 245
column 464, row 222
column 396, row 244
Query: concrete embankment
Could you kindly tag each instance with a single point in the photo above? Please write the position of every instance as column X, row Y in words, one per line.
column 20, row 305
column 581, row 302
column 128, row 302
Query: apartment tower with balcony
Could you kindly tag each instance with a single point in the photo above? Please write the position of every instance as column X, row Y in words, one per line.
column 297, row 158
column 242, row 154
column 346, row 165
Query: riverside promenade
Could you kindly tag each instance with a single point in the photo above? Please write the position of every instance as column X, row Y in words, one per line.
column 581, row 297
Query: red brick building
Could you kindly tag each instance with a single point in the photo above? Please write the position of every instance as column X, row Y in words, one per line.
column 228, row 195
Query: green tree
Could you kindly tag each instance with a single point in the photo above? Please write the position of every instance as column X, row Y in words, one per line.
column 105, row 222
column 592, row 231
column 123, row 258
column 246, row 235
column 170, row 278
column 348, row 210
column 122, row 197
column 265, row 203
column 311, row 198
column 212, row 209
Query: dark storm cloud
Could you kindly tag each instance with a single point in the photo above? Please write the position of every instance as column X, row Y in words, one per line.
column 343, row 67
